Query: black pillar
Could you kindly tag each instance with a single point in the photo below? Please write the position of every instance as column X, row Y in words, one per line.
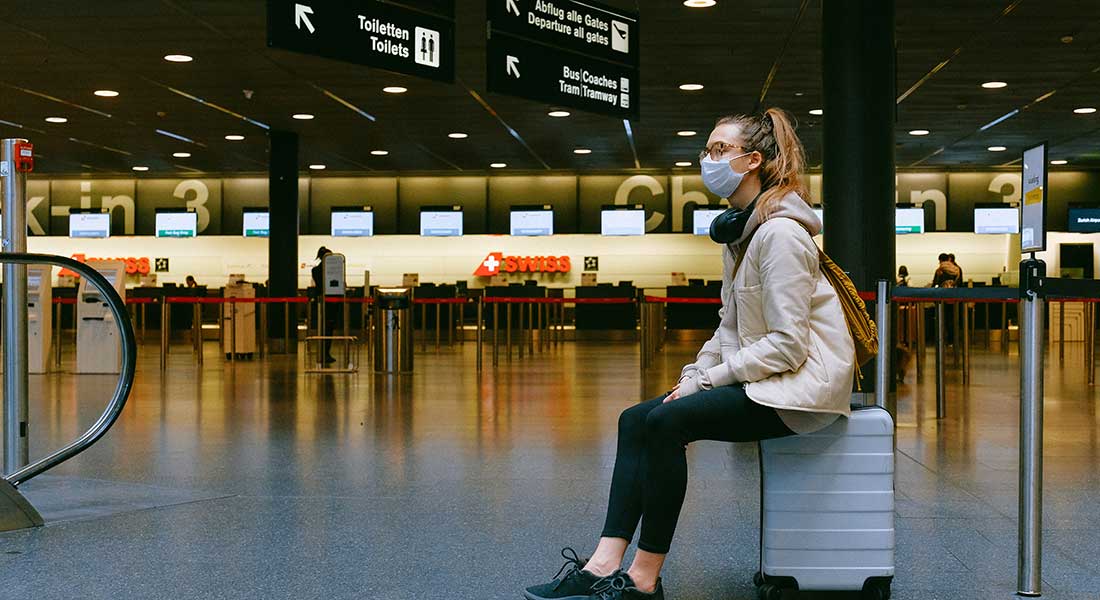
column 282, row 243
column 858, row 173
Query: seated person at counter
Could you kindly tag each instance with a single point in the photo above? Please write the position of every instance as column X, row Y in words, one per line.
column 780, row 363
column 190, row 282
column 948, row 274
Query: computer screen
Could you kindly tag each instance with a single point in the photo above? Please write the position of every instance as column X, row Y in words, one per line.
column 177, row 224
column 701, row 218
column 1084, row 219
column 996, row 220
column 440, row 223
column 622, row 222
column 89, row 224
column 352, row 222
column 908, row 220
column 531, row 220
column 257, row 222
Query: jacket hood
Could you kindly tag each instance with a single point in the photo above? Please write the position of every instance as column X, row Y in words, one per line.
column 791, row 206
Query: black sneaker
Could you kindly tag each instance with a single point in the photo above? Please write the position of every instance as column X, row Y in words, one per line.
column 621, row 587
column 576, row 584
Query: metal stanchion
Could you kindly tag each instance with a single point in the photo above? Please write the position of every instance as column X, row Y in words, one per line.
column 941, row 333
column 233, row 330
column 1004, row 327
column 477, row 334
column 450, row 324
column 1029, row 560
column 263, row 329
column 57, row 334
column 955, row 354
column 438, row 310
column 882, row 361
column 164, row 329
column 1062, row 331
column 643, row 327
column 424, row 327
column 988, row 312
column 965, row 341
column 530, row 328
column 286, row 327
column 508, row 331
column 921, row 348
column 496, row 327
column 196, row 330
column 1090, row 341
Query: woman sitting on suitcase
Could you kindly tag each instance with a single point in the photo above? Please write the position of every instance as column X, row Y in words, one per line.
column 780, row 363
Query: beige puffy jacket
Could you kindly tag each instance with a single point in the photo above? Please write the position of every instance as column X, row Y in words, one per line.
column 782, row 329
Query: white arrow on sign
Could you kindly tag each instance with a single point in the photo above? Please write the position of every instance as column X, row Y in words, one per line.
column 513, row 66
column 300, row 15
column 510, row 6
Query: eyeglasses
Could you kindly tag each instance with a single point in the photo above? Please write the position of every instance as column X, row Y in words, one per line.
column 717, row 150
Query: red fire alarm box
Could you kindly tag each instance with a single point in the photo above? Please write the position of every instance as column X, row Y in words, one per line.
column 24, row 157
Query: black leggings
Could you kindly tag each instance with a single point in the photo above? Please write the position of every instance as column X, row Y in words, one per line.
column 650, row 477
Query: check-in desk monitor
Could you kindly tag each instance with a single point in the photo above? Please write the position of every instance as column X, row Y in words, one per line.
column 996, row 220
column 441, row 221
column 89, row 223
column 1084, row 219
column 352, row 221
column 256, row 222
column 177, row 223
column 531, row 220
column 98, row 345
column 702, row 216
column 908, row 220
column 622, row 220
column 39, row 317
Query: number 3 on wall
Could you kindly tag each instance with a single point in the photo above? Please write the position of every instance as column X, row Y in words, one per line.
column 202, row 193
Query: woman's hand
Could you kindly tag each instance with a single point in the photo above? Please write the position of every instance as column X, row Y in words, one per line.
column 673, row 395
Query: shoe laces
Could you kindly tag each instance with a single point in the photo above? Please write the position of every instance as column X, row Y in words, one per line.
column 574, row 563
column 610, row 588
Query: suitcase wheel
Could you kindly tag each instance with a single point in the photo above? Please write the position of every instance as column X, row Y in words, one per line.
column 769, row 591
column 876, row 589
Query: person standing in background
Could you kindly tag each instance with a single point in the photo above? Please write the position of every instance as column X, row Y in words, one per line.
column 947, row 274
column 959, row 280
column 331, row 313
column 190, row 282
column 903, row 277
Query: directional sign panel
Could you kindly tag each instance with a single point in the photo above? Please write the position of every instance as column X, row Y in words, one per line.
column 561, row 78
column 1033, row 235
column 588, row 27
column 365, row 32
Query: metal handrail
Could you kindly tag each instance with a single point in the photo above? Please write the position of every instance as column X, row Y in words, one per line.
column 125, row 378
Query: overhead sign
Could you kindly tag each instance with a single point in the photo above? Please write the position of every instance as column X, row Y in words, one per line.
column 365, row 32
column 586, row 27
column 573, row 53
column 1033, row 234
column 535, row 72
column 496, row 263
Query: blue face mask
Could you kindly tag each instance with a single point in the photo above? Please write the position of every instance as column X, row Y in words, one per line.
column 719, row 176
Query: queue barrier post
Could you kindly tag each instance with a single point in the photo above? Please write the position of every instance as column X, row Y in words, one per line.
column 57, row 333
column 164, row 328
column 496, row 326
column 1061, row 331
column 966, row 307
column 922, row 349
column 882, row 361
column 262, row 309
column 477, row 333
column 941, row 333
column 1090, row 341
column 196, row 330
column 1029, row 558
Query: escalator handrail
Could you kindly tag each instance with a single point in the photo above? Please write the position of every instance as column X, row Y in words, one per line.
column 126, row 375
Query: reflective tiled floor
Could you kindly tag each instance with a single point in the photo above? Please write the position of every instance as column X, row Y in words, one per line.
column 256, row 480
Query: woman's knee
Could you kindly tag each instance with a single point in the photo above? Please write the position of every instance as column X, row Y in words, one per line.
column 663, row 423
column 632, row 420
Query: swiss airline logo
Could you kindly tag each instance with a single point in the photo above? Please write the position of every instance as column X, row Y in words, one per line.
column 496, row 263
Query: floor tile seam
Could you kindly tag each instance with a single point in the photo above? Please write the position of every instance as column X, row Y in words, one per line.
column 89, row 519
column 946, row 480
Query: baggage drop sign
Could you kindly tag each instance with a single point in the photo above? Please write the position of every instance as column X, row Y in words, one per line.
column 572, row 53
column 366, row 32
column 1033, row 234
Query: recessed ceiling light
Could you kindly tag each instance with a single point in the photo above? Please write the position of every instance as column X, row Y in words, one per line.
column 234, row 137
column 994, row 85
column 178, row 58
column 457, row 135
column 56, row 120
column 1084, row 110
column 379, row 152
column 303, row 116
column 817, row 112
column 558, row 113
column 317, row 167
column 799, row 94
column 919, row 132
column 498, row 165
column 395, row 89
column 1058, row 161
column 683, row 163
column 685, row 133
column 996, row 148
column 181, row 154
column 691, row 87
column 582, row 151
column 105, row 93
column 140, row 169
column 700, row 3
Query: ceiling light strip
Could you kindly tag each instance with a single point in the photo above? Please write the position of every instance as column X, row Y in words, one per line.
column 779, row 57
column 936, row 69
column 347, row 104
column 429, row 152
column 630, row 138
column 100, row 146
column 1012, row 163
column 512, row 132
column 938, row 151
column 179, row 137
column 1000, row 119
column 213, row 105
column 18, row 126
column 57, row 100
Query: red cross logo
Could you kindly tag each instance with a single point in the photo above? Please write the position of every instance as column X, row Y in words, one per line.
column 490, row 266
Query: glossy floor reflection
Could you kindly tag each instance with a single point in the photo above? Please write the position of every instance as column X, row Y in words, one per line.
column 255, row 480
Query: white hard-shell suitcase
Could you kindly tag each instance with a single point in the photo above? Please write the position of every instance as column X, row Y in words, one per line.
column 827, row 508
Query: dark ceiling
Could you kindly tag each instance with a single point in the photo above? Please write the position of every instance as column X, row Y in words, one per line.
column 55, row 54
